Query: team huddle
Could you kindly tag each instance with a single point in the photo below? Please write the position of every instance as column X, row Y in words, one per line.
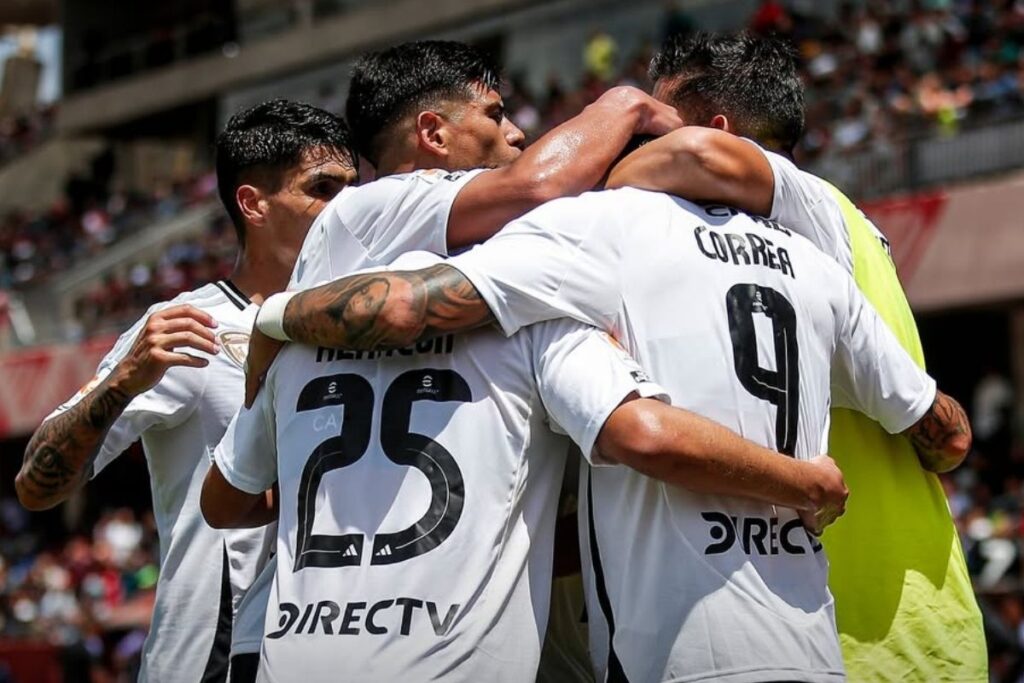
column 357, row 443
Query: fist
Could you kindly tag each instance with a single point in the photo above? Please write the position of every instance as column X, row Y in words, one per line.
column 828, row 494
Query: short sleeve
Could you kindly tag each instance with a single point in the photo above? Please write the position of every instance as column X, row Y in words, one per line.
column 560, row 260
column 313, row 265
column 583, row 375
column 871, row 371
column 371, row 225
column 803, row 203
column 247, row 453
column 165, row 406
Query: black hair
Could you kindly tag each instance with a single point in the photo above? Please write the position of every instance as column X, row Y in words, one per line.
column 752, row 80
column 261, row 143
column 391, row 84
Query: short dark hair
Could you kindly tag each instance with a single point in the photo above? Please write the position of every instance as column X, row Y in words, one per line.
column 261, row 143
column 750, row 79
column 394, row 83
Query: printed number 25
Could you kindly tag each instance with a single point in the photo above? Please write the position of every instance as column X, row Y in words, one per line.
column 781, row 386
column 399, row 445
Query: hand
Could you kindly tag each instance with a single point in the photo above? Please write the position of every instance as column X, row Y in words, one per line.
column 155, row 349
column 262, row 352
column 827, row 492
column 654, row 117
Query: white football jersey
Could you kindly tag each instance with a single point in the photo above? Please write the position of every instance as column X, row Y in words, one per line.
column 742, row 322
column 371, row 225
column 203, row 572
column 419, row 491
column 806, row 204
column 362, row 227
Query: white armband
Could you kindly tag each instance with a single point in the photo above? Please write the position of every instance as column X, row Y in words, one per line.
column 270, row 319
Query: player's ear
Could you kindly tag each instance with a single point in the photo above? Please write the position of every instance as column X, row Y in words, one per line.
column 252, row 204
column 432, row 134
column 721, row 122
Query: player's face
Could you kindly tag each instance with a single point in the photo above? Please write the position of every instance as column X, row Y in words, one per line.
column 305, row 190
column 483, row 137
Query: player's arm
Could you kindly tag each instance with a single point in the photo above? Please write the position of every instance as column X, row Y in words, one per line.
column 240, row 488
column 595, row 392
column 59, row 457
column 570, row 159
column 685, row 449
column 702, row 165
column 226, row 507
column 873, row 373
column 942, row 438
column 514, row 279
column 388, row 309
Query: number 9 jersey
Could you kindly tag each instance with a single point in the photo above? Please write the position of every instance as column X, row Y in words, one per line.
column 743, row 323
column 418, row 496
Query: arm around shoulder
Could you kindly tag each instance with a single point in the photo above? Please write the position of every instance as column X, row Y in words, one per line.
column 687, row 450
column 703, row 165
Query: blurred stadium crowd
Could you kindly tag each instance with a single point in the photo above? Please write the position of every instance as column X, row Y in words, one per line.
column 874, row 75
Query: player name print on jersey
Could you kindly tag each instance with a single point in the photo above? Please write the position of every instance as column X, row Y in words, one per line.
column 743, row 249
column 439, row 346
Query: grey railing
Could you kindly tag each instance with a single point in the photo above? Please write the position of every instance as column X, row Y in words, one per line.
column 927, row 161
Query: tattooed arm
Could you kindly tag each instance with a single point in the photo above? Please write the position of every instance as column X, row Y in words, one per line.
column 59, row 457
column 386, row 310
column 942, row 437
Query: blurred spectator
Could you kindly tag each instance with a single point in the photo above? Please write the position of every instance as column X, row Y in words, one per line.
column 89, row 597
column 600, row 55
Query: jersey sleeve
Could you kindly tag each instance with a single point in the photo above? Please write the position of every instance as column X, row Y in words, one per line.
column 558, row 261
column 313, row 265
column 871, row 371
column 166, row 405
column 583, row 375
column 247, row 453
column 371, row 225
column 803, row 203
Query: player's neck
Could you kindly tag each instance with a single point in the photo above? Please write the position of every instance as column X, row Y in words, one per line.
column 259, row 274
column 402, row 161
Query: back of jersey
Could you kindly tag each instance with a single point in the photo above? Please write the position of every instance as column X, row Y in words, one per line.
column 418, row 495
column 736, row 319
column 744, row 323
column 409, row 512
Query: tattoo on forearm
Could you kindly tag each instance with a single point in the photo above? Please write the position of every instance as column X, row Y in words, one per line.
column 60, row 455
column 386, row 310
column 943, row 424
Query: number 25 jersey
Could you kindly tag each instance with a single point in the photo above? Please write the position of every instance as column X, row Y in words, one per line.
column 748, row 325
column 418, row 496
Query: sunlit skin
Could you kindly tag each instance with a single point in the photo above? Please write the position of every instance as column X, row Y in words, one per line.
column 455, row 135
column 482, row 135
column 305, row 191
